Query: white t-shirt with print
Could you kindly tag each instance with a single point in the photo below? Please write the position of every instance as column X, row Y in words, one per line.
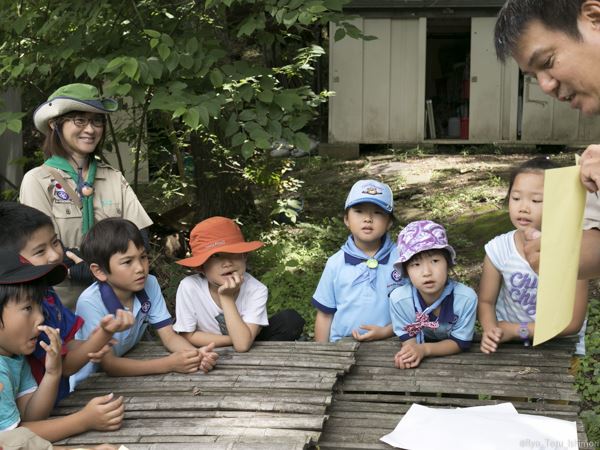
column 195, row 310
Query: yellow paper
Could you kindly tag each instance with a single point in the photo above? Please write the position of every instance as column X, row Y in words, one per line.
column 562, row 221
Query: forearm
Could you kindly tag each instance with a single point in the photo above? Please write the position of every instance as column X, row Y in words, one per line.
column 323, row 326
column 59, row 428
column 510, row 331
column 240, row 334
column 42, row 401
column 115, row 366
column 442, row 348
column 486, row 313
column 387, row 331
column 77, row 357
column 200, row 339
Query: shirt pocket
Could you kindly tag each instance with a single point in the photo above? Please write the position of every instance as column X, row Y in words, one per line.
column 106, row 208
column 63, row 211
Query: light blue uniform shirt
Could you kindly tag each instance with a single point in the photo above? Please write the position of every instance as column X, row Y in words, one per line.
column 16, row 380
column 359, row 304
column 99, row 300
column 456, row 319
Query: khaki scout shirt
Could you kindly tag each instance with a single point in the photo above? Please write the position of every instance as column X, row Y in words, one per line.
column 113, row 197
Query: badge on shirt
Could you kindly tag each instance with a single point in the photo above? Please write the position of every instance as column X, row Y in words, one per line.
column 58, row 192
column 396, row 275
column 146, row 306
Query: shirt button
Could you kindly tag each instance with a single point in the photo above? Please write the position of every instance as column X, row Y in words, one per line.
column 68, row 211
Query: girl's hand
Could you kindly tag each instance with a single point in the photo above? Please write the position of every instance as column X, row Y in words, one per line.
column 410, row 355
column 373, row 333
column 53, row 356
column 490, row 340
column 185, row 361
column 231, row 286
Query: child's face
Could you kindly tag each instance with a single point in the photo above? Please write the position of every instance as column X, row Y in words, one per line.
column 128, row 271
column 367, row 222
column 219, row 266
column 19, row 329
column 43, row 247
column 428, row 272
column 525, row 202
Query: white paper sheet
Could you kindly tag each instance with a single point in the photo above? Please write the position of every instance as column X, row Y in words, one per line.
column 495, row 427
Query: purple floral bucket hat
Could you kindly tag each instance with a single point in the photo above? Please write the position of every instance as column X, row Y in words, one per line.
column 419, row 236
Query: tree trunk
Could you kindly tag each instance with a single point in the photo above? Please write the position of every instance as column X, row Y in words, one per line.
column 220, row 189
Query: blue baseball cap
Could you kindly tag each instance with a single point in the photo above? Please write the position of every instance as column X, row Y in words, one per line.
column 371, row 191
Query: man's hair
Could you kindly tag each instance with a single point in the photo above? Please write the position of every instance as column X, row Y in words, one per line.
column 53, row 145
column 108, row 237
column 534, row 165
column 18, row 223
column 34, row 290
column 516, row 15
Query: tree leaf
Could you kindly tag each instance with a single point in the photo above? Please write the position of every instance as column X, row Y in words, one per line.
column 302, row 141
column 232, row 126
column 14, row 125
column 114, row 64
column 80, row 69
column 192, row 118
column 152, row 33
column 92, row 69
column 130, row 67
column 163, row 51
column 340, row 34
column 247, row 149
column 265, row 96
column 204, row 118
column 216, row 78
column 238, row 139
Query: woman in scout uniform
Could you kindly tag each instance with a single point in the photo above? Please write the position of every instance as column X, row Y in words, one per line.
column 72, row 186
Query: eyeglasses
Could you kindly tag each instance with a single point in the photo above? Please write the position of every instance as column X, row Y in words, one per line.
column 82, row 122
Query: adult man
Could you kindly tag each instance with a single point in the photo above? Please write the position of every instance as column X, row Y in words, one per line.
column 558, row 42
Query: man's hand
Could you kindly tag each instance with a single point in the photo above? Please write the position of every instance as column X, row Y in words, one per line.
column 590, row 168
column 121, row 321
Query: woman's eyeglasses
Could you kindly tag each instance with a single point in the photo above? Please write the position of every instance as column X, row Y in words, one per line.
column 82, row 122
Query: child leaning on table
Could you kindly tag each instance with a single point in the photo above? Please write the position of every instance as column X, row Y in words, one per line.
column 352, row 295
column 433, row 315
column 31, row 233
column 22, row 401
column 222, row 303
column 115, row 250
column 508, row 286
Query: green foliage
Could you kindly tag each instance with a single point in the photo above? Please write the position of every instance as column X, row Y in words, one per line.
column 588, row 374
column 292, row 261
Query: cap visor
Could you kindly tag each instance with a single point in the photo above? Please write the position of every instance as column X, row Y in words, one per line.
column 52, row 273
column 199, row 259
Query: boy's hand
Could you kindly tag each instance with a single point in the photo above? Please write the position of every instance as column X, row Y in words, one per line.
column 104, row 413
column 231, row 286
column 53, row 356
column 185, row 361
column 410, row 355
column 490, row 340
column 209, row 358
column 374, row 333
column 121, row 321
column 73, row 257
column 96, row 357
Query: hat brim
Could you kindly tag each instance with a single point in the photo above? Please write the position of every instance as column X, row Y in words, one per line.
column 62, row 105
column 53, row 274
column 375, row 201
column 199, row 259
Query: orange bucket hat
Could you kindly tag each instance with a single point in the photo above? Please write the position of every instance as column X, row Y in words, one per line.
column 216, row 235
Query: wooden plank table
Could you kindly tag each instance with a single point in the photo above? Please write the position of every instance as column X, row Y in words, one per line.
column 372, row 398
column 273, row 397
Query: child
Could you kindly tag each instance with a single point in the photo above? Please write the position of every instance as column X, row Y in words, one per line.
column 432, row 306
column 508, row 287
column 22, row 401
column 30, row 233
column 352, row 294
column 115, row 250
column 223, row 303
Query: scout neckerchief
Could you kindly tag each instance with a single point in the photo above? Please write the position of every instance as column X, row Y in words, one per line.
column 422, row 320
column 83, row 187
column 368, row 264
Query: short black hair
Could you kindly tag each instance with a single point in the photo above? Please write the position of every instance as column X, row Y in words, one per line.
column 516, row 15
column 18, row 222
column 538, row 164
column 19, row 292
column 432, row 251
column 109, row 237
